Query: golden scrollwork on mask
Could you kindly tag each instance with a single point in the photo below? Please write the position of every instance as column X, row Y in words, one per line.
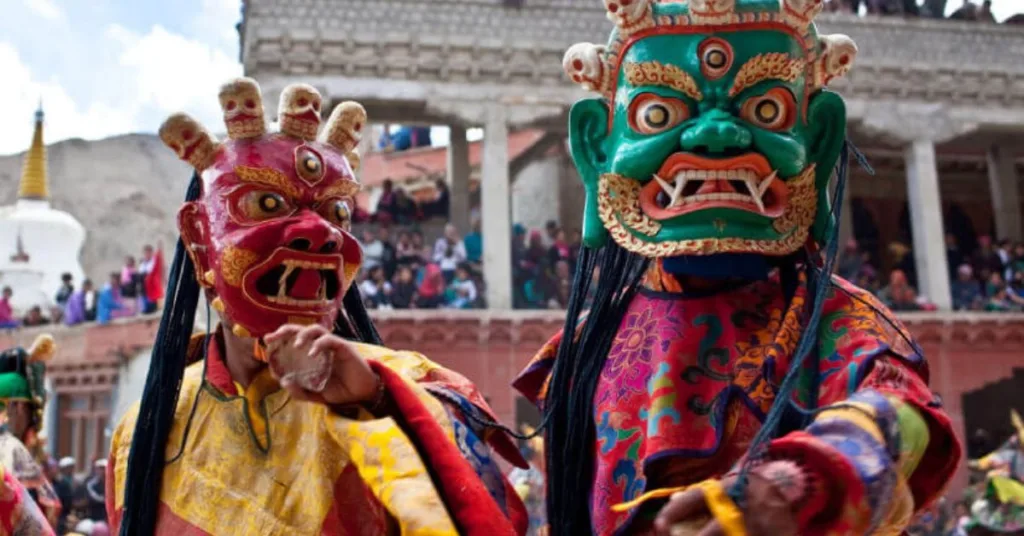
column 619, row 209
column 653, row 73
column 234, row 262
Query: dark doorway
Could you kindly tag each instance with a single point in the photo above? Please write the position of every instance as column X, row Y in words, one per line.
column 988, row 409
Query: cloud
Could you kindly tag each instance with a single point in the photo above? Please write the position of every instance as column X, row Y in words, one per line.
column 146, row 77
column 21, row 93
column 45, row 8
column 169, row 72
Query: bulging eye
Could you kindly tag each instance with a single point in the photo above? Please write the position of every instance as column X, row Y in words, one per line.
column 338, row 212
column 653, row 114
column 715, row 58
column 260, row 205
column 775, row 110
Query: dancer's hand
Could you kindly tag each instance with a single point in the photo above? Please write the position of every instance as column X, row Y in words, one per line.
column 769, row 510
column 350, row 381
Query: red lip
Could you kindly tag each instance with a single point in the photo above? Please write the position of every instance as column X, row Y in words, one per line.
column 295, row 282
column 713, row 191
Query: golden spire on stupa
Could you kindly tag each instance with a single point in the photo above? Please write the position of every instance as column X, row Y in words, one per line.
column 33, row 173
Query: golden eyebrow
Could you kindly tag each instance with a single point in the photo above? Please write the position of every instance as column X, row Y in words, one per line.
column 771, row 66
column 653, row 73
column 268, row 177
column 344, row 188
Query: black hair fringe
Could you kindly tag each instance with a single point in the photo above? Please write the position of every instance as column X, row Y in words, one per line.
column 568, row 407
column 160, row 396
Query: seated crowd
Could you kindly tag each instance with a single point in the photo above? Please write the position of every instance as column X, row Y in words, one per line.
column 137, row 289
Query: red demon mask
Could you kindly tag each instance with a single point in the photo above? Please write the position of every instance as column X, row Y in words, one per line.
column 269, row 234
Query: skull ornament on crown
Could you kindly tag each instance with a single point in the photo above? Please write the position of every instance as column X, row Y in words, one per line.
column 714, row 132
column 269, row 234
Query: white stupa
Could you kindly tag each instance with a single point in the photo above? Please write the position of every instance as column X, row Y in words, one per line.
column 37, row 243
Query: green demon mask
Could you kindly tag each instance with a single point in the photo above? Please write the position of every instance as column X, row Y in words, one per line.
column 714, row 133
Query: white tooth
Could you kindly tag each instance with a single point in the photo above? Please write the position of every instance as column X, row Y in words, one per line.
column 763, row 187
column 732, row 174
column 677, row 192
column 664, row 185
column 702, row 174
column 282, row 282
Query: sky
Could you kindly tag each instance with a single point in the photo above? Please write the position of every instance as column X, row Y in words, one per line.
column 108, row 67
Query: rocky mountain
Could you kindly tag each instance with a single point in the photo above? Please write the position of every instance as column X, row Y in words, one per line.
column 125, row 191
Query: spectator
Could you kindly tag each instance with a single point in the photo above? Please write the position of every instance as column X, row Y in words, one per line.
column 64, row 486
column 558, row 294
column 35, row 317
column 462, row 290
column 431, row 291
column 109, row 304
column 403, row 295
column 474, row 246
column 388, row 255
column 67, row 288
column 898, row 295
column 6, row 310
column 967, row 294
column 985, row 259
column 129, row 282
column 406, row 254
column 559, row 250
column 1005, row 253
column 954, row 257
column 95, row 488
column 449, row 252
column 373, row 250
column 419, row 244
column 1017, row 264
column 551, row 229
column 82, row 305
column 376, row 290
column 850, row 261
column 440, row 207
column 152, row 270
column 535, row 254
column 999, row 301
column 387, row 205
column 406, row 210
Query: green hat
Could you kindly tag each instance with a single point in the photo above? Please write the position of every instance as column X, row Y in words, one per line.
column 22, row 372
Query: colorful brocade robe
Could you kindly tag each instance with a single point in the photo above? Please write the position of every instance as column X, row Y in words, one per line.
column 16, row 458
column 257, row 462
column 19, row 514
column 689, row 380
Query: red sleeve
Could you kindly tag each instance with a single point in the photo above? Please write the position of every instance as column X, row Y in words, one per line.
column 155, row 278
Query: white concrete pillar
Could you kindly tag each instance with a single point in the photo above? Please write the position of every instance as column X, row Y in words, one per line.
column 458, row 177
column 495, row 210
column 1003, row 183
column 926, row 215
column 537, row 193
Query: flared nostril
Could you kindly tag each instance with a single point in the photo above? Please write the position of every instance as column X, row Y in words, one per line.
column 300, row 244
column 329, row 247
